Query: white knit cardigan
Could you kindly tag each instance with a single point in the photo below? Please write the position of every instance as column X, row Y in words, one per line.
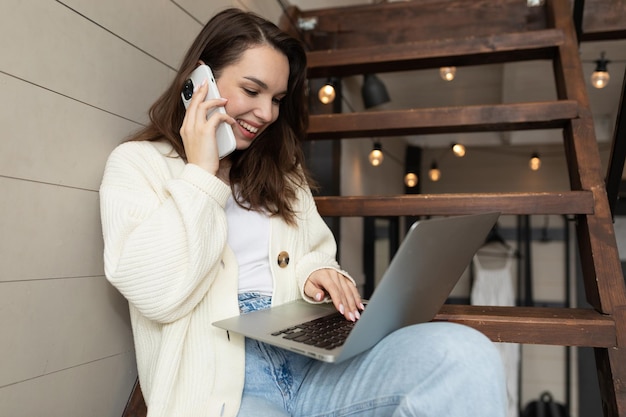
column 164, row 230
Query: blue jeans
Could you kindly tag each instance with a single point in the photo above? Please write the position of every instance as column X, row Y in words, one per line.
column 431, row 369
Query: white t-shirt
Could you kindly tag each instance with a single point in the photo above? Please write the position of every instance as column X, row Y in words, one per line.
column 248, row 237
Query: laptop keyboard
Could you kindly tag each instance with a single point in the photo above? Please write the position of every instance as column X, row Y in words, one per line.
column 326, row 332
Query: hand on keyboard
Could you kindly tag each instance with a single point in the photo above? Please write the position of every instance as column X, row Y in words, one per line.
column 341, row 290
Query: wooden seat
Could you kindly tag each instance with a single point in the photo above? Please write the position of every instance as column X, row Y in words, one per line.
column 500, row 117
column 568, row 202
column 537, row 325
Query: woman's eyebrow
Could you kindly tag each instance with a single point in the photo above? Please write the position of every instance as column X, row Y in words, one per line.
column 257, row 81
column 260, row 83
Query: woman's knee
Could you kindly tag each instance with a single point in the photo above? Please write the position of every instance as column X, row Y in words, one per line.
column 453, row 369
column 442, row 342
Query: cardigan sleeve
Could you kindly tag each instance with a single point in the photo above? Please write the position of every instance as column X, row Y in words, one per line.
column 164, row 234
column 321, row 245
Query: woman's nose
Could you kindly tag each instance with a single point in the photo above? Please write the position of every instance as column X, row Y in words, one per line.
column 264, row 110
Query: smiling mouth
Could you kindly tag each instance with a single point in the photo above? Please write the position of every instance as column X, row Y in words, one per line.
column 246, row 126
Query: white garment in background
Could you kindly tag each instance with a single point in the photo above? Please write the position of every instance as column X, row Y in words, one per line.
column 493, row 286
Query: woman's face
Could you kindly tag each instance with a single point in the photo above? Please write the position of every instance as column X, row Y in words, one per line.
column 254, row 87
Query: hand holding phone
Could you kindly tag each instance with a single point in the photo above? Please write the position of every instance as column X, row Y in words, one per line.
column 224, row 135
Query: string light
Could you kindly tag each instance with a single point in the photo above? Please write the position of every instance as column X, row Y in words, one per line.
column 535, row 162
column 411, row 179
column 600, row 77
column 327, row 93
column 447, row 73
column 434, row 173
column 459, row 150
column 376, row 156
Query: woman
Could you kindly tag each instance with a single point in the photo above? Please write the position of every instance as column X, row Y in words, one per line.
column 187, row 238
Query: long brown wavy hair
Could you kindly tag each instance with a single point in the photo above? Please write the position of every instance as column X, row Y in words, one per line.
column 268, row 173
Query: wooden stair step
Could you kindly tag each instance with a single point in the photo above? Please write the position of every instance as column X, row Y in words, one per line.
column 536, row 325
column 506, row 47
column 567, row 202
column 462, row 119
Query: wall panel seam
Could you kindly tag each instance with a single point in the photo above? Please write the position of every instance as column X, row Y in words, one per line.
column 70, row 97
column 69, row 368
column 116, row 35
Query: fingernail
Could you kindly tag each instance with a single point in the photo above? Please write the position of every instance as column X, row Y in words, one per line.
column 351, row 316
column 362, row 306
column 318, row 296
column 357, row 315
column 341, row 309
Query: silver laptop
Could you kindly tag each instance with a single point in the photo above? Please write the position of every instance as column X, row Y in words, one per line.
column 428, row 264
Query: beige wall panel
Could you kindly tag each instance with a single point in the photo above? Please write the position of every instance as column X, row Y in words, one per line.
column 203, row 10
column 76, row 58
column 59, row 141
column 56, row 324
column 158, row 27
column 98, row 389
column 269, row 9
column 53, row 232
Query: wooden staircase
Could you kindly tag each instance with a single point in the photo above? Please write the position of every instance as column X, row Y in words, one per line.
column 417, row 35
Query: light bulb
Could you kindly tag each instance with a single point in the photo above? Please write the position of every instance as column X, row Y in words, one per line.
column 410, row 179
column 600, row 79
column 326, row 94
column 535, row 162
column 459, row 150
column 434, row 173
column 376, row 156
column 447, row 73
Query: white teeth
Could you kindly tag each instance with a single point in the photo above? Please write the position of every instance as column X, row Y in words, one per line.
column 249, row 128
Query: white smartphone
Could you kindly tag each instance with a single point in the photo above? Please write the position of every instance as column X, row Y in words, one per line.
column 225, row 137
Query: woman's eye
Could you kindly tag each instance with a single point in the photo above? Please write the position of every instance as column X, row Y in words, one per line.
column 277, row 101
column 250, row 92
